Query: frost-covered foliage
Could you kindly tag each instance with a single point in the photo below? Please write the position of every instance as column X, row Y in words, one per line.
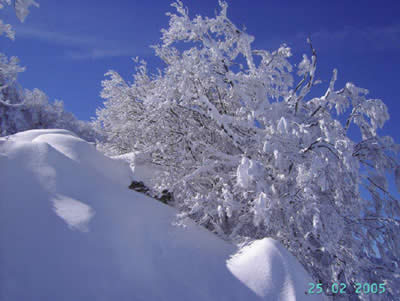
column 23, row 110
column 21, row 10
column 247, row 154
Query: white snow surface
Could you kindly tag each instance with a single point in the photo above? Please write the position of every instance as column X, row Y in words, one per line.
column 142, row 169
column 71, row 230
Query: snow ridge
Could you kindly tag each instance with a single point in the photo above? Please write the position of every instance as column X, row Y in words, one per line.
column 70, row 229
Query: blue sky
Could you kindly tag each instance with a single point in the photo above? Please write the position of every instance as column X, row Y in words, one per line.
column 67, row 46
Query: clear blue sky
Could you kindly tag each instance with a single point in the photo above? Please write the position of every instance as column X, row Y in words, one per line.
column 67, row 46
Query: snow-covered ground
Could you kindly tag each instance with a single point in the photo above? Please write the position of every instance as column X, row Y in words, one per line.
column 71, row 230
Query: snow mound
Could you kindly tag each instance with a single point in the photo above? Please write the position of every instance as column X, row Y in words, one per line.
column 270, row 271
column 30, row 135
column 71, row 230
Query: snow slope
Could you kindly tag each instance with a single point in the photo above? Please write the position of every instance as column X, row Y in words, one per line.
column 71, row 230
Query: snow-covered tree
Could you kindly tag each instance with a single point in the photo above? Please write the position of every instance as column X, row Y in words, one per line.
column 248, row 154
column 21, row 8
column 22, row 110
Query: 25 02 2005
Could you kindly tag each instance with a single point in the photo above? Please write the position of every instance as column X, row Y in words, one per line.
column 340, row 288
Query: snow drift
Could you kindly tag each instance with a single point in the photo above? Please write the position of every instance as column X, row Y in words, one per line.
column 71, row 230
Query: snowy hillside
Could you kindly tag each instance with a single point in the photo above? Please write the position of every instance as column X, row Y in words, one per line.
column 71, row 230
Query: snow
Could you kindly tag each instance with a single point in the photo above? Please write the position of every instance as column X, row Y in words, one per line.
column 71, row 230
column 76, row 214
column 268, row 269
column 142, row 169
